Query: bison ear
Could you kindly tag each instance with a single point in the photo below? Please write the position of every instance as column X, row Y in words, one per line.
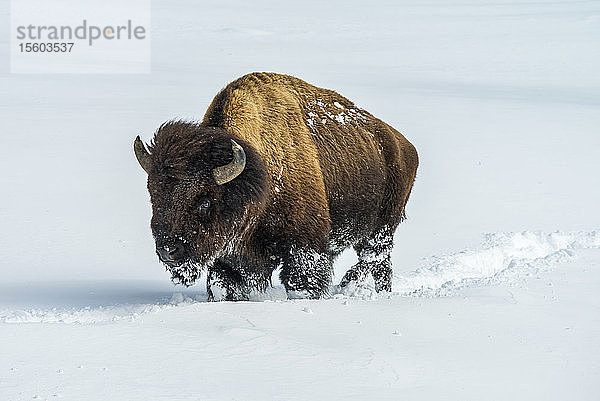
column 226, row 173
column 141, row 154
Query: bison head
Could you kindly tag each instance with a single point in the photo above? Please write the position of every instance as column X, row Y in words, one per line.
column 207, row 191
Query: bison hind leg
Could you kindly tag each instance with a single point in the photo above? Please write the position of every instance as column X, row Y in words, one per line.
column 373, row 258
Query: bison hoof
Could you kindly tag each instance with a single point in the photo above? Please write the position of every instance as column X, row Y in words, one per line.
column 304, row 294
column 294, row 294
column 216, row 293
column 383, row 287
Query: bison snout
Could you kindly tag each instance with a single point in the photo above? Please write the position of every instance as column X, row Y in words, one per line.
column 170, row 253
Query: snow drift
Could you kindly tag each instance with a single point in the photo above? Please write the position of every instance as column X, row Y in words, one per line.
column 501, row 257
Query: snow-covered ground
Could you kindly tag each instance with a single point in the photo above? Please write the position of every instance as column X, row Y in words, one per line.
column 502, row 101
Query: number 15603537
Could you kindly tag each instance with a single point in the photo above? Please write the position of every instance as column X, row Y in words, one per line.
column 61, row 47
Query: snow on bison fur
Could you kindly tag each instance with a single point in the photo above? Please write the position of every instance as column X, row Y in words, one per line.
column 279, row 174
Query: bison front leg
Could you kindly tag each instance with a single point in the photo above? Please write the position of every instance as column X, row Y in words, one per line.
column 306, row 273
column 224, row 284
column 233, row 282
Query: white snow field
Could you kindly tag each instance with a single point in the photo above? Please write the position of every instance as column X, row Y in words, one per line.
column 497, row 269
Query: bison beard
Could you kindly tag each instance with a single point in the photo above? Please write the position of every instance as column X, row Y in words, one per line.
column 186, row 273
column 279, row 175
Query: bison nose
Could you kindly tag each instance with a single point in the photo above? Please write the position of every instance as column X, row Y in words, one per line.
column 169, row 253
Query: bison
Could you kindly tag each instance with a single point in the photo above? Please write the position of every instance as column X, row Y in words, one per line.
column 280, row 174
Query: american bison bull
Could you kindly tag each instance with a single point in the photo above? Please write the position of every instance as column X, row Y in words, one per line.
column 279, row 174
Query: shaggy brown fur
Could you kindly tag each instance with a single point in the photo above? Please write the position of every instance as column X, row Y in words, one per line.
column 321, row 175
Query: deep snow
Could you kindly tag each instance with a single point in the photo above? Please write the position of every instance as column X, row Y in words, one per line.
column 500, row 98
column 532, row 338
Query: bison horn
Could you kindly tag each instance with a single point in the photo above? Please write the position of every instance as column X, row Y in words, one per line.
column 142, row 154
column 226, row 173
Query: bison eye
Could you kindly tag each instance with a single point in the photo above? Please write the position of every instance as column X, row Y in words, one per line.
column 203, row 205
